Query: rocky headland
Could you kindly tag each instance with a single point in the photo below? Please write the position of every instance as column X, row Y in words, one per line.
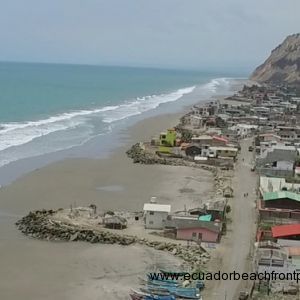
column 283, row 65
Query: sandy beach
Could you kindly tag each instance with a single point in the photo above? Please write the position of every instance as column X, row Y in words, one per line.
column 44, row 270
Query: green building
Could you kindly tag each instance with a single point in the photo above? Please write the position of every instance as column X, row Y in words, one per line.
column 168, row 138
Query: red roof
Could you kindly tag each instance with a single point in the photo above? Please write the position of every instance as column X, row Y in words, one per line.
column 285, row 230
column 219, row 138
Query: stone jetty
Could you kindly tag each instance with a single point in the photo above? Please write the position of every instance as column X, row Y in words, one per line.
column 139, row 155
column 42, row 225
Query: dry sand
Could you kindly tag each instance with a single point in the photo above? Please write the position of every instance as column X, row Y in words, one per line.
column 38, row 270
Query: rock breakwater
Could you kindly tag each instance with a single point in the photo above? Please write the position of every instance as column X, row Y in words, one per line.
column 139, row 155
column 41, row 225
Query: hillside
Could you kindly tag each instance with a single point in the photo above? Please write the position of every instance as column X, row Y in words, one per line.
column 283, row 65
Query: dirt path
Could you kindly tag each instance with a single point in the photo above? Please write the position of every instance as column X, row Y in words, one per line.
column 233, row 254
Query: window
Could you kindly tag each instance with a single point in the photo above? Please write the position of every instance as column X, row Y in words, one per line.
column 151, row 222
column 151, row 213
column 194, row 234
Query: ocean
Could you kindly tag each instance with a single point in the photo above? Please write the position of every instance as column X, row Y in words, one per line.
column 46, row 108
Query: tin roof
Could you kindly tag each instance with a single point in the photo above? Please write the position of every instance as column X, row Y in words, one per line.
column 188, row 223
column 206, row 218
column 219, row 138
column 285, row 230
column 281, row 195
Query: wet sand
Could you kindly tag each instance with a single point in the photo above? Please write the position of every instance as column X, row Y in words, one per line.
column 33, row 269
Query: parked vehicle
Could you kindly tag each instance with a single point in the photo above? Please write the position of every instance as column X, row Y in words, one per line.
column 243, row 295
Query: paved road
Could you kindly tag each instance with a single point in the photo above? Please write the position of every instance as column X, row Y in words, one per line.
column 233, row 254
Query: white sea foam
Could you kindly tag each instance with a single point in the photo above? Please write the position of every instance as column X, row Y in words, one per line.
column 143, row 104
column 214, row 84
column 22, row 133
column 15, row 134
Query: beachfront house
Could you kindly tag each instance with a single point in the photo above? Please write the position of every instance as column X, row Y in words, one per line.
column 155, row 215
column 168, row 138
column 194, row 229
column 201, row 110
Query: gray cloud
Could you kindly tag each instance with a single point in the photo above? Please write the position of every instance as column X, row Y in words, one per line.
column 164, row 33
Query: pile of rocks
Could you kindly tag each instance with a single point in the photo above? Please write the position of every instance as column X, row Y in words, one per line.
column 42, row 225
column 139, row 155
column 194, row 256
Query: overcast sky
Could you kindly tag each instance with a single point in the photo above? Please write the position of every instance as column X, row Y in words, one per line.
column 159, row 33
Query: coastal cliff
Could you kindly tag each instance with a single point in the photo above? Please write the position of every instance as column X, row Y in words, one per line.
column 283, row 65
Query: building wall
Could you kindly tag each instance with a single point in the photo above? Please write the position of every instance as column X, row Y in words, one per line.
column 277, row 155
column 168, row 138
column 216, row 215
column 288, row 267
column 282, row 203
column 275, row 172
column 288, row 243
column 226, row 153
column 285, row 165
column 165, row 149
column 207, row 235
column 279, row 216
column 217, row 143
column 193, row 151
column 155, row 220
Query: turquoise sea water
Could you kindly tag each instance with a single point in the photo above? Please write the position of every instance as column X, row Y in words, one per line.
column 49, row 107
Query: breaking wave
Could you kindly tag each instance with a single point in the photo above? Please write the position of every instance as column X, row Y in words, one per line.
column 19, row 133
column 74, row 128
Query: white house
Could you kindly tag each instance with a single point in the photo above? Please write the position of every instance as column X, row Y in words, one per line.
column 155, row 215
column 223, row 152
column 243, row 130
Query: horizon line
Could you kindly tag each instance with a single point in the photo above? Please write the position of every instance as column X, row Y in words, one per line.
column 133, row 66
